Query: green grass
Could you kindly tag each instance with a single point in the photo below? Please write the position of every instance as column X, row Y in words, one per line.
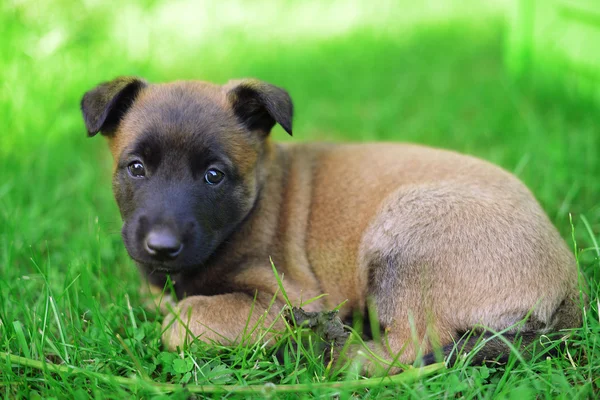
column 71, row 317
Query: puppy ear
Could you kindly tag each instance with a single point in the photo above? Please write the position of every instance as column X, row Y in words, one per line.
column 104, row 106
column 259, row 105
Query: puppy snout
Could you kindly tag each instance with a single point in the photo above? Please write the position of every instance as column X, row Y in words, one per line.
column 162, row 244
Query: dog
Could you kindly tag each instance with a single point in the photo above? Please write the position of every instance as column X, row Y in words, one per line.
column 434, row 242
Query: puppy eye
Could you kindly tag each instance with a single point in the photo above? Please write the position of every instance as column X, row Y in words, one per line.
column 213, row 176
column 136, row 169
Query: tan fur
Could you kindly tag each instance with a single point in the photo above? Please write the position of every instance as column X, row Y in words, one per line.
column 476, row 245
column 439, row 241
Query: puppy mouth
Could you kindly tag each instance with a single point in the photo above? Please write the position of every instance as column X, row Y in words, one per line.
column 153, row 267
column 165, row 269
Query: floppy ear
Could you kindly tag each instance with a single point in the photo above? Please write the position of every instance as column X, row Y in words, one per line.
column 104, row 106
column 259, row 105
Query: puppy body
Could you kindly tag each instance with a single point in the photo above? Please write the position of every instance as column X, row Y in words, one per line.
column 435, row 241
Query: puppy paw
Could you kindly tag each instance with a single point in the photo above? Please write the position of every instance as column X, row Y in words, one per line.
column 367, row 359
column 184, row 323
column 225, row 319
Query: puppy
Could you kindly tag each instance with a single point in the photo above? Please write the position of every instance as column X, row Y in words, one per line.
column 437, row 243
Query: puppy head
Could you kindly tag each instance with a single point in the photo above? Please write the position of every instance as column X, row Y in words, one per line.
column 189, row 161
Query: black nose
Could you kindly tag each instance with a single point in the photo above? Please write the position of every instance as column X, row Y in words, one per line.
column 162, row 244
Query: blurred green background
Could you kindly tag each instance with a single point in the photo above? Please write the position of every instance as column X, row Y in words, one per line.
column 451, row 74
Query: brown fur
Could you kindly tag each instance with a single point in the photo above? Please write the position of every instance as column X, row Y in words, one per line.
column 439, row 242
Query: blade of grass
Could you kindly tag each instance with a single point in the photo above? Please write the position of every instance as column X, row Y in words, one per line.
column 60, row 328
column 18, row 327
column 407, row 376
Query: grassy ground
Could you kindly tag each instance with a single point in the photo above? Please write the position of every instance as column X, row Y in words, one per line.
column 69, row 293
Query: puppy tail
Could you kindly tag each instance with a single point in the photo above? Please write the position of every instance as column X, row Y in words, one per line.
column 482, row 346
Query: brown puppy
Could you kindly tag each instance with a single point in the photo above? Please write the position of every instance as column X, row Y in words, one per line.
column 438, row 242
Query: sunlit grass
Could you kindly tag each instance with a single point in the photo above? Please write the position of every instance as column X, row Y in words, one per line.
column 432, row 75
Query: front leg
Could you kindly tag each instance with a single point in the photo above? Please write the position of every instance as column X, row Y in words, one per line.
column 226, row 319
